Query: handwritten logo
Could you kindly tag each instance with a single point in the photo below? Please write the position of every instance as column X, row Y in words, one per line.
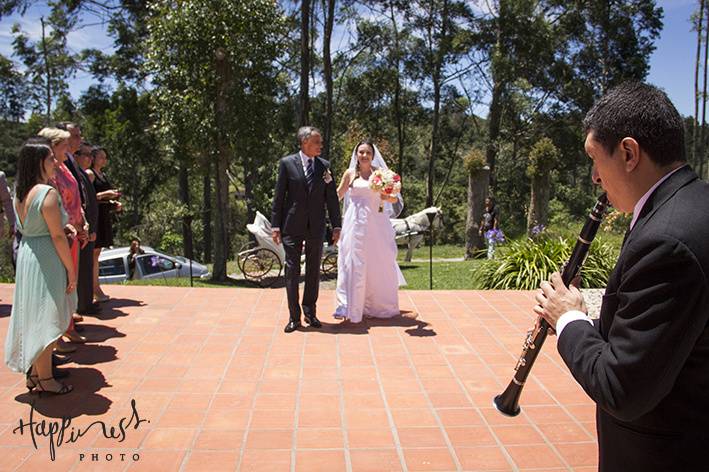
column 59, row 432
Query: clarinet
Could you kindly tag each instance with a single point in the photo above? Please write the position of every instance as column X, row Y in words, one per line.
column 507, row 402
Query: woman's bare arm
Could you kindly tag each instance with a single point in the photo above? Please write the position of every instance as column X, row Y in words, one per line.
column 344, row 184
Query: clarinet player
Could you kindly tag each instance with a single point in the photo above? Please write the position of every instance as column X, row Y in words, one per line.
column 645, row 361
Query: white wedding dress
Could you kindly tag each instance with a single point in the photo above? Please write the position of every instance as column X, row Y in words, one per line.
column 368, row 276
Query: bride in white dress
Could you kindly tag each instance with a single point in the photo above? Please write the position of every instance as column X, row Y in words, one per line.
column 368, row 276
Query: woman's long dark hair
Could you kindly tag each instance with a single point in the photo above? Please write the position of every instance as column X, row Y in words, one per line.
column 29, row 165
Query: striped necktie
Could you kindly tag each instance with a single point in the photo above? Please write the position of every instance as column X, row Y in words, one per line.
column 309, row 174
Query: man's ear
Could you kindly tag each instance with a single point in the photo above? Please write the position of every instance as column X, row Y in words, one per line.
column 630, row 153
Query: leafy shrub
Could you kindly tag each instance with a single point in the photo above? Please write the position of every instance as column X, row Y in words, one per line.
column 524, row 264
column 171, row 243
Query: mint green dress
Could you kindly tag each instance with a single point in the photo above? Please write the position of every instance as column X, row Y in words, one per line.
column 41, row 308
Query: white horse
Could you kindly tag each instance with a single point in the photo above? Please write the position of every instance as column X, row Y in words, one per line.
column 413, row 228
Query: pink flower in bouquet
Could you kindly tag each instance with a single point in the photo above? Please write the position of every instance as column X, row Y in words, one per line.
column 385, row 181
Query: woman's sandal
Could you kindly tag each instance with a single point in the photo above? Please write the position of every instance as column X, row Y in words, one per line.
column 64, row 348
column 74, row 337
column 39, row 388
column 101, row 298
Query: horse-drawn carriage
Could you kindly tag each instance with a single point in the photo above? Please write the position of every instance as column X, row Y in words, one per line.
column 411, row 230
column 261, row 261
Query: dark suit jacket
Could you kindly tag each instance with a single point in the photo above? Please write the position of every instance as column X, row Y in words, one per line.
column 297, row 211
column 91, row 210
column 645, row 362
column 88, row 195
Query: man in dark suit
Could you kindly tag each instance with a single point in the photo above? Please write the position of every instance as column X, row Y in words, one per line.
column 303, row 189
column 645, row 361
column 85, row 284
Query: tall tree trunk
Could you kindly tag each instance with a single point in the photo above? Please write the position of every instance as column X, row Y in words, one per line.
column 184, row 194
column 207, row 209
column 538, row 213
column 494, row 121
column 136, row 198
column 221, row 249
column 434, row 139
column 478, row 183
column 695, row 123
column 48, row 72
column 304, row 100
column 702, row 143
column 329, row 8
column 398, row 114
column 439, row 54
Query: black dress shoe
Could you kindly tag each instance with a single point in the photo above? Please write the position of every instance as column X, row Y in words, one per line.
column 56, row 360
column 59, row 373
column 313, row 321
column 292, row 326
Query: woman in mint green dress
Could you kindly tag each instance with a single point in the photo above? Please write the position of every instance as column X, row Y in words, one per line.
column 45, row 279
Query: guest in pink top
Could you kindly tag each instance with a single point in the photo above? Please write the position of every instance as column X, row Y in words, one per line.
column 68, row 189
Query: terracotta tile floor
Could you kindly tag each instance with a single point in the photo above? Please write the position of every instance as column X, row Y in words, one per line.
column 224, row 388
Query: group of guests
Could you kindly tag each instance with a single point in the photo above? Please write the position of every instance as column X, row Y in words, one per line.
column 62, row 207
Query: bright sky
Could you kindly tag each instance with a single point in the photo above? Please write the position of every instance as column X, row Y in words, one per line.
column 672, row 63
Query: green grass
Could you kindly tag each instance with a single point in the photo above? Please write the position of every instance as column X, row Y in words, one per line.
column 443, row 251
column 446, row 275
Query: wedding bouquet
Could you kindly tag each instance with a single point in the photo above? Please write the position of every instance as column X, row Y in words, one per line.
column 385, row 181
column 495, row 236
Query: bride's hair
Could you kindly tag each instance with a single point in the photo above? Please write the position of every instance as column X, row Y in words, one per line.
column 369, row 143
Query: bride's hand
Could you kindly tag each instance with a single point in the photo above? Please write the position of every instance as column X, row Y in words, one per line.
column 387, row 197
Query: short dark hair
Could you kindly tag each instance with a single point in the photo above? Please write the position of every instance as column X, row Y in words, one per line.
column 94, row 152
column 642, row 112
column 87, row 144
column 29, row 164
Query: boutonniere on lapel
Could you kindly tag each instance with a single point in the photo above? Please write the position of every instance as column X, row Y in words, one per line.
column 327, row 176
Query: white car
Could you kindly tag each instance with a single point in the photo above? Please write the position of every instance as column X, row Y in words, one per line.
column 113, row 266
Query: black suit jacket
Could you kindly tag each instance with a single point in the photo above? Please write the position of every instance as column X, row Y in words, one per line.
column 645, row 362
column 297, row 211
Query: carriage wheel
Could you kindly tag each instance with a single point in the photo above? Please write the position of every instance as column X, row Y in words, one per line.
column 329, row 265
column 258, row 265
column 245, row 251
